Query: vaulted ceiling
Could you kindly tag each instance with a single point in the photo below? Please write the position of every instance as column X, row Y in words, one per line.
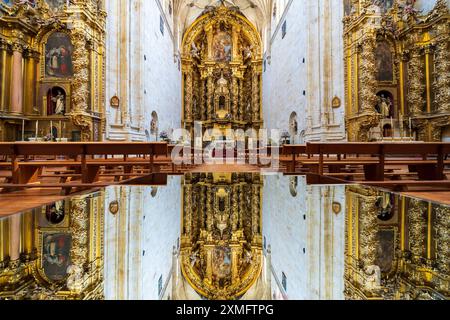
column 257, row 11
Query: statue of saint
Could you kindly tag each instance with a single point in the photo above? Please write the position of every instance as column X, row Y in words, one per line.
column 60, row 104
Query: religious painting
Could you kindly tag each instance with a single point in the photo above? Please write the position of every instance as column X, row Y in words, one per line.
column 56, row 255
column 385, row 250
column 222, row 45
column 384, row 62
column 222, row 265
column 55, row 213
column 56, row 5
column 56, row 101
column 58, row 56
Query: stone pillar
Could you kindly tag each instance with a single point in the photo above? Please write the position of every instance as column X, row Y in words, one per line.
column 17, row 80
column 442, row 69
column 14, row 240
column 416, row 86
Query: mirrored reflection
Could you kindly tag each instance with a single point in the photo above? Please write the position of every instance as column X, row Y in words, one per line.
column 228, row 236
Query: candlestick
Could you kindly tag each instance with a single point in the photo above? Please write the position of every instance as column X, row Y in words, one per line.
column 61, row 130
column 410, row 128
column 392, row 128
column 23, row 129
column 51, row 130
column 37, row 128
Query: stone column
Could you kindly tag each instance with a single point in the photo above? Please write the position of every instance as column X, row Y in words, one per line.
column 416, row 86
column 442, row 69
column 17, row 80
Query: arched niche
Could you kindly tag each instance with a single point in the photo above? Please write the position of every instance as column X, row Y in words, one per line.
column 56, row 101
column 386, row 104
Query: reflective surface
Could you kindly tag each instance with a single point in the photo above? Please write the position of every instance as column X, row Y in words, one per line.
column 228, row 236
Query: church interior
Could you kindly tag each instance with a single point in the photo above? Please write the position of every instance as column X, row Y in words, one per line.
column 224, row 150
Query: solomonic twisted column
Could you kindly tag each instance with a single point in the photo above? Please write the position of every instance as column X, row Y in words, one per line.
column 416, row 84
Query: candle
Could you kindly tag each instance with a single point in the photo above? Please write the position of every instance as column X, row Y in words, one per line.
column 392, row 127
column 37, row 127
column 61, row 131
column 51, row 129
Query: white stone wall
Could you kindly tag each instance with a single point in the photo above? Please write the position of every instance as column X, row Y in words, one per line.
column 307, row 239
column 141, row 70
column 305, row 71
column 139, row 240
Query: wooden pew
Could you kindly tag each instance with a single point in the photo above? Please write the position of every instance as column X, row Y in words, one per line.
column 294, row 151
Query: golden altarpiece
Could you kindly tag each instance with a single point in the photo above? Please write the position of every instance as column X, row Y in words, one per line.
column 52, row 67
column 54, row 252
column 221, row 245
column 222, row 71
column 397, row 65
column 396, row 247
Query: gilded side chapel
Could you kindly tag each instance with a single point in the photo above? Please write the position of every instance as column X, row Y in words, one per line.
column 397, row 67
column 52, row 62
